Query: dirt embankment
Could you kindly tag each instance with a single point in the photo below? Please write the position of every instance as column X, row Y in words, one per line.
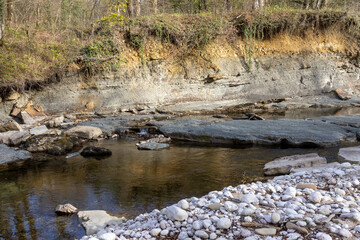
column 171, row 59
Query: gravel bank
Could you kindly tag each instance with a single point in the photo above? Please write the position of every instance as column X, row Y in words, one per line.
column 313, row 204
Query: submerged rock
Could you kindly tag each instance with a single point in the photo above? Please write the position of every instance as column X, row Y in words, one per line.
column 152, row 146
column 92, row 151
column 96, row 220
column 284, row 165
column 66, row 209
column 350, row 154
column 8, row 155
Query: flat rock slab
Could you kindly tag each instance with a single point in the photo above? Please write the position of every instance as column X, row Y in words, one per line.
column 286, row 132
column 284, row 165
column 347, row 121
column 38, row 130
column 9, row 155
column 350, row 154
column 109, row 124
column 96, row 220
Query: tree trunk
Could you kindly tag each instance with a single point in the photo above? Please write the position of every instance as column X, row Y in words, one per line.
column 205, row 5
column 154, row 6
column 228, row 5
column 318, row 4
column 324, row 3
column 9, row 9
column 138, row 8
column 261, row 4
column 130, row 8
column 2, row 23
column 256, row 5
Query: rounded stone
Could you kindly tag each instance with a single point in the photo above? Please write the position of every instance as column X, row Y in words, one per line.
column 230, row 206
column 275, row 218
column 249, row 198
column 176, row 214
column 223, row 223
column 183, row 204
column 315, row 197
column 155, row 232
column 201, row 234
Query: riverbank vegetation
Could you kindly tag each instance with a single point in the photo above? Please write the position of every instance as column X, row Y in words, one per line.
column 40, row 40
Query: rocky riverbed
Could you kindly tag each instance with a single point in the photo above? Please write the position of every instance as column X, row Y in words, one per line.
column 310, row 204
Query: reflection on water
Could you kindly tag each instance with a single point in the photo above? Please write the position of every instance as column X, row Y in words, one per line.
column 128, row 183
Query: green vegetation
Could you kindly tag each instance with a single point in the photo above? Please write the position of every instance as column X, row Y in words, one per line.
column 88, row 35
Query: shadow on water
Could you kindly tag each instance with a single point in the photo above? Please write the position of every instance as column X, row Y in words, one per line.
column 128, row 183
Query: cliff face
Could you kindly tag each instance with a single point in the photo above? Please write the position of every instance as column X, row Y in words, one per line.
column 223, row 73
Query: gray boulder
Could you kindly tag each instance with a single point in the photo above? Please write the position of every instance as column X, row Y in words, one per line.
column 9, row 155
column 13, row 138
column 284, row 165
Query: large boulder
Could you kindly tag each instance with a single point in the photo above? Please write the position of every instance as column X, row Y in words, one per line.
column 350, row 154
column 96, row 220
column 13, row 138
column 10, row 126
column 86, row 132
column 52, row 144
column 9, row 155
column 27, row 119
column 284, row 165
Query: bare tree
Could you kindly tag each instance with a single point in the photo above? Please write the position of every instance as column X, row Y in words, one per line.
column 255, row 5
column 9, row 11
column 154, row 6
column 130, row 8
column 138, row 8
column 228, row 5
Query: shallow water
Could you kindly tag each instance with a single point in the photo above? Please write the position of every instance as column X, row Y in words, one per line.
column 127, row 183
